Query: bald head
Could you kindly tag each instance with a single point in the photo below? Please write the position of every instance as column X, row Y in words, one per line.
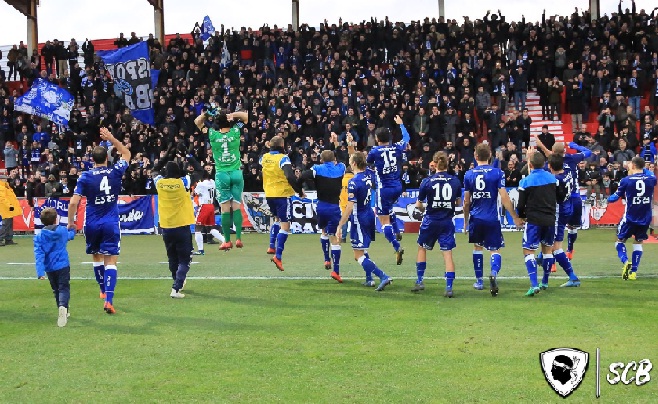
column 558, row 148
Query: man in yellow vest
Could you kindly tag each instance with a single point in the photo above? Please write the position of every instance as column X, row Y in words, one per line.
column 9, row 208
column 176, row 215
column 279, row 183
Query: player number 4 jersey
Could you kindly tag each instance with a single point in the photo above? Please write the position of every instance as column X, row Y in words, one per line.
column 101, row 186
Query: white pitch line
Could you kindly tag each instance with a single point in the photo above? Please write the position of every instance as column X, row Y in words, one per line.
column 312, row 278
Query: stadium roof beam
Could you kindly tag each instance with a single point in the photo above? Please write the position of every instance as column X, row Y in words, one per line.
column 158, row 19
column 29, row 9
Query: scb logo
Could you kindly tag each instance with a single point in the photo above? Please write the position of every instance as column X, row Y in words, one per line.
column 638, row 372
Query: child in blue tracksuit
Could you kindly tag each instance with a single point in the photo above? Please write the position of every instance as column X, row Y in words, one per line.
column 52, row 259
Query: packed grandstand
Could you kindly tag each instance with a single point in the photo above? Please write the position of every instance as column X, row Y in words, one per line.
column 454, row 85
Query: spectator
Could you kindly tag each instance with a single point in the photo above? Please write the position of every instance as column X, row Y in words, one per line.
column 512, row 175
column 623, row 154
column 9, row 208
column 11, row 156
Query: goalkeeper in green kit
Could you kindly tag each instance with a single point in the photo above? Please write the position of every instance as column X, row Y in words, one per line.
column 224, row 136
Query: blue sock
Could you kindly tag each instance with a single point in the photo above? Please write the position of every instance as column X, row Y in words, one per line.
column 636, row 257
column 281, row 242
column 539, row 259
column 572, row 235
column 621, row 252
column 531, row 266
column 390, row 236
column 324, row 241
column 496, row 263
column 335, row 257
column 420, row 271
column 371, row 268
column 365, row 254
column 99, row 272
column 563, row 261
column 450, row 277
column 394, row 223
column 478, row 265
column 110, row 282
column 547, row 263
column 274, row 231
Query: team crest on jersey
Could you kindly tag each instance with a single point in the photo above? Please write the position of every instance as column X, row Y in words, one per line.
column 564, row 369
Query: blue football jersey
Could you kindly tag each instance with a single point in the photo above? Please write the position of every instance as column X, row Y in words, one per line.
column 483, row 183
column 565, row 181
column 101, row 186
column 358, row 191
column 571, row 165
column 441, row 192
column 637, row 189
column 388, row 160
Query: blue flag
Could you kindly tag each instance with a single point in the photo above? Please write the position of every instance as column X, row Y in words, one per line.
column 207, row 29
column 130, row 69
column 46, row 100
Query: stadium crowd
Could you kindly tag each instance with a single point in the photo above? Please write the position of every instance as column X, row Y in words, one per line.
column 453, row 86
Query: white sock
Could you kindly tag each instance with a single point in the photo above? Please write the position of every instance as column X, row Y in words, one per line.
column 216, row 234
column 198, row 237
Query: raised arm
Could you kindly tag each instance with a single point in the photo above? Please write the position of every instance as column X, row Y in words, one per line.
column 240, row 115
column 200, row 120
column 405, row 134
column 581, row 149
column 123, row 151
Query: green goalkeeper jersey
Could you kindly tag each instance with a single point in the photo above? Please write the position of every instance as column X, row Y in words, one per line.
column 225, row 149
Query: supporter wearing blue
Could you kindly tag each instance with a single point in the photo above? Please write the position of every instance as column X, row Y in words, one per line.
column 387, row 159
column 362, row 220
column 101, row 186
column 52, row 259
column 442, row 193
column 482, row 186
column 564, row 210
column 571, row 161
column 637, row 188
column 538, row 196
column 328, row 179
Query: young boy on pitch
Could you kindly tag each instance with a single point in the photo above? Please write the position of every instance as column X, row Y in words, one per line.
column 52, row 259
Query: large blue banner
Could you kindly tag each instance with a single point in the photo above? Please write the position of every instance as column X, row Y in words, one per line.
column 131, row 71
column 46, row 100
column 137, row 216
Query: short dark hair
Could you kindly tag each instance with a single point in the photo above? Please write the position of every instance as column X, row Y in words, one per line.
column 327, row 156
column 638, row 162
column 556, row 162
column 48, row 216
column 99, row 155
column 221, row 121
column 383, row 135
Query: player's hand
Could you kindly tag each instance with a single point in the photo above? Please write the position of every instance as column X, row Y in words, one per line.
column 339, row 233
column 42, row 278
column 105, row 134
column 71, row 226
column 229, row 117
column 465, row 227
column 519, row 223
column 397, row 119
column 302, row 195
column 349, row 138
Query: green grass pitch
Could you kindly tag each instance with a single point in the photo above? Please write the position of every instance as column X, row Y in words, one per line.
column 249, row 333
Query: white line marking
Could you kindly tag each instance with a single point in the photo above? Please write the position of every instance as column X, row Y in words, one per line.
column 315, row 278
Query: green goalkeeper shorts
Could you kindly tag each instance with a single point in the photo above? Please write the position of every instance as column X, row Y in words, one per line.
column 229, row 186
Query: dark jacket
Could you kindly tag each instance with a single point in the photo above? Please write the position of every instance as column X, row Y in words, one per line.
column 538, row 195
